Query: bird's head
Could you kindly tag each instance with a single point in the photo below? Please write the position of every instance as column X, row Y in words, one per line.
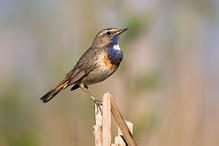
column 107, row 36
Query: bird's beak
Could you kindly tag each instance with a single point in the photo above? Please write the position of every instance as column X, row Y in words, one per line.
column 123, row 30
column 120, row 31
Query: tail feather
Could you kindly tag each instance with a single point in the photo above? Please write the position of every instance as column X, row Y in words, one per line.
column 48, row 96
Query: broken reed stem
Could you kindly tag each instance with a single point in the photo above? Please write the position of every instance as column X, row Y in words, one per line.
column 121, row 123
column 102, row 129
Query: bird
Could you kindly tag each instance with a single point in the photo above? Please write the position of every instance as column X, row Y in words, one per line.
column 98, row 63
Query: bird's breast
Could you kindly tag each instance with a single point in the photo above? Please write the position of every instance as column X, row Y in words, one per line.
column 103, row 70
column 108, row 64
column 105, row 64
column 114, row 54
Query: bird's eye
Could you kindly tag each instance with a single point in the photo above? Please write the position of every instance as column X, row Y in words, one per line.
column 108, row 33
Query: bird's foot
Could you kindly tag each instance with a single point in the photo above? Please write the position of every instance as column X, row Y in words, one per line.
column 98, row 104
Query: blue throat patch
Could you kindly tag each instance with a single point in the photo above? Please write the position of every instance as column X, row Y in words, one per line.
column 115, row 56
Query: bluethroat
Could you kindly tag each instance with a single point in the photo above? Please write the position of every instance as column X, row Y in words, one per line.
column 99, row 62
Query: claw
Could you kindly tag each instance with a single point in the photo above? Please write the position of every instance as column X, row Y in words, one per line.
column 98, row 104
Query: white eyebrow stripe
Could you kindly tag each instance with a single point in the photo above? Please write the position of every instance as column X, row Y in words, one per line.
column 102, row 33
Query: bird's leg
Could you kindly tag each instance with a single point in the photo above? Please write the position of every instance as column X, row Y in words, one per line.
column 92, row 97
column 90, row 93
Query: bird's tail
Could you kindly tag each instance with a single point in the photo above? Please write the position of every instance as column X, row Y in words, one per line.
column 48, row 96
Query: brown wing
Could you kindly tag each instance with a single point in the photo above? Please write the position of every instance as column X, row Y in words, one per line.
column 84, row 66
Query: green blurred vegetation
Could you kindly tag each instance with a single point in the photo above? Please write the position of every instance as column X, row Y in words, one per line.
column 17, row 120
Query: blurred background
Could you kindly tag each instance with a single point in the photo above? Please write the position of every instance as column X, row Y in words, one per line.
column 167, row 84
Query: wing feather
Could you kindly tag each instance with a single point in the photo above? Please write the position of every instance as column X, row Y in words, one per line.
column 85, row 65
